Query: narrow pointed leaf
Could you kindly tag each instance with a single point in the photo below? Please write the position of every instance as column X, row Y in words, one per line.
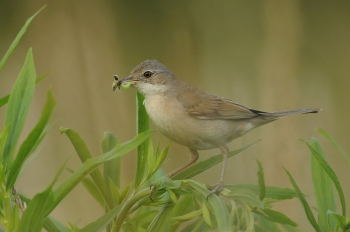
column 50, row 224
column 267, row 225
column 94, row 191
column 331, row 174
column 183, row 206
column 150, row 159
column 188, row 216
column 161, row 157
column 19, row 104
column 39, row 208
column 335, row 144
column 29, row 144
column 84, row 154
column 34, row 216
column 323, row 189
column 341, row 220
column 3, row 139
column 271, row 191
column 16, row 41
column 304, row 203
column 261, row 181
column 68, row 184
column 221, row 213
column 206, row 215
column 275, row 216
column 202, row 166
column 111, row 169
column 160, row 222
column 4, row 100
column 101, row 223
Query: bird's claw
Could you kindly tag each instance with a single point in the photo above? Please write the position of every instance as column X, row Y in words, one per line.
column 216, row 188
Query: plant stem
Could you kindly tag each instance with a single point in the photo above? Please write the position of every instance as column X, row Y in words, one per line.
column 127, row 206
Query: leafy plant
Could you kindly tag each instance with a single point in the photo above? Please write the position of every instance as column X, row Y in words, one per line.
column 324, row 178
column 152, row 202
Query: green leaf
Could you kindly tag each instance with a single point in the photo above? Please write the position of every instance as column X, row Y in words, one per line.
column 172, row 196
column 17, row 39
column 261, row 181
column 111, row 169
column 94, row 191
column 196, row 226
column 323, row 189
column 202, row 166
column 267, row 225
column 183, row 206
column 3, row 139
column 160, row 222
column 335, row 144
column 330, row 173
column 161, row 158
column 51, row 225
column 271, row 191
column 142, row 125
column 103, row 221
column 84, row 155
column 275, row 216
column 340, row 220
column 188, row 216
column 206, row 215
column 151, row 161
column 115, row 192
column 89, row 165
column 18, row 105
column 244, row 196
column 304, row 203
column 4, row 100
column 30, row 143
column 39, row 208
column 34, row 216
column 221, row 213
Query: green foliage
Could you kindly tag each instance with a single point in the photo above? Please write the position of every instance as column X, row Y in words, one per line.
column 323, row 177
column 152, row 202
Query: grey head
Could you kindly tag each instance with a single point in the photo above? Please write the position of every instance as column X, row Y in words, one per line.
column 150, row 77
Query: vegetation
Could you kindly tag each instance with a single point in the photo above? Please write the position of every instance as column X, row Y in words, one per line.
column 135, row 206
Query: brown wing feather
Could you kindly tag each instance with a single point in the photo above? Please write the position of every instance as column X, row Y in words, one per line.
column 200, row 104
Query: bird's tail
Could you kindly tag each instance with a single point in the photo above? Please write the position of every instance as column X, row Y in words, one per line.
column 282, row 114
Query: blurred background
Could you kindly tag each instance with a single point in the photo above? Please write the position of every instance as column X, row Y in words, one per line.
column 267, row 55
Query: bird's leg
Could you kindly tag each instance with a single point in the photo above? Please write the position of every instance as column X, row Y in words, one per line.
column 216, row 189
column 193, row 158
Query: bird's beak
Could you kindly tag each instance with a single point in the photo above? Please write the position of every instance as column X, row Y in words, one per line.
column 117, row 83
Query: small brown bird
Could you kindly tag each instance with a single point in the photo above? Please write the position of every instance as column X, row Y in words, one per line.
column 192, row 117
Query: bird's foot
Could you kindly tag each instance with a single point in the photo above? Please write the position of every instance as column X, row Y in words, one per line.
column 216, row 188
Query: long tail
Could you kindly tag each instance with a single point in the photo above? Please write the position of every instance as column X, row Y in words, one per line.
column 281, row 114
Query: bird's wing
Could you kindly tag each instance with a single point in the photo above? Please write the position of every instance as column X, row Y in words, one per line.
column 202, row 105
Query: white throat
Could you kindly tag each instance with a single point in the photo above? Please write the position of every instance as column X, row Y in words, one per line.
column 148, row 89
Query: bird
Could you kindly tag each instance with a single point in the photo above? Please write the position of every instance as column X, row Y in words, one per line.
column 193, row 117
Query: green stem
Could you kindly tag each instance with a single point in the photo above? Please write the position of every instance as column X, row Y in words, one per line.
column 124, row 212
column 8, row 219
column 142, row 126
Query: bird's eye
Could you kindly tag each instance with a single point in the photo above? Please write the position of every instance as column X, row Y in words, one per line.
column 147, row 74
